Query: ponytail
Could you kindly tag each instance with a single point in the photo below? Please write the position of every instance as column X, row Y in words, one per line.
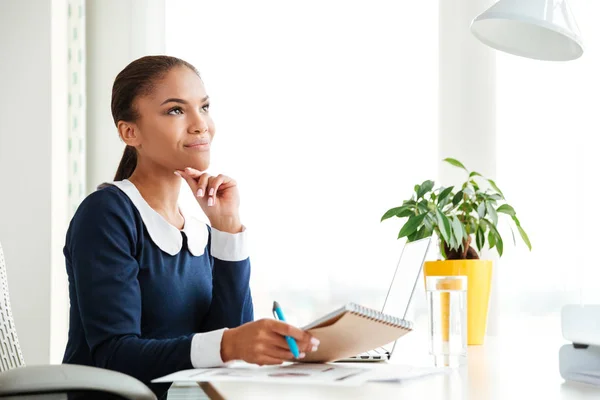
column 127, row 164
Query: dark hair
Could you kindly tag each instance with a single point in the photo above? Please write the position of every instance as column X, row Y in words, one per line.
column 137, row 79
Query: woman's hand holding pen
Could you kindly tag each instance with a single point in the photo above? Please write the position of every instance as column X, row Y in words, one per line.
column 263, row 342
column 218, row 196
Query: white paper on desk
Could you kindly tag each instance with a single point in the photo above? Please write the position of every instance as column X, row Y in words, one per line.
column 397, row 373
column 318, row 374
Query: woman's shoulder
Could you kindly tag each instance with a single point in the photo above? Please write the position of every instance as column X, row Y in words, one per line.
column 104, row 217
column 104, row 204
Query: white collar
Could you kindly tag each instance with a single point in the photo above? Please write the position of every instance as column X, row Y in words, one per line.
column 163, row 234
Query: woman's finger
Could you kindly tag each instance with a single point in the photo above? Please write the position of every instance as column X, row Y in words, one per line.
column 285, row 329
column 214, row 183
column 202, row 184
column 281, row 354
column 278, row 341
column 189, row 180
column 266, row 360
column 194, row 173
column 305, row 341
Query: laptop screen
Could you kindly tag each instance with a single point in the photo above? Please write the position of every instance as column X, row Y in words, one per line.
column 406, row 278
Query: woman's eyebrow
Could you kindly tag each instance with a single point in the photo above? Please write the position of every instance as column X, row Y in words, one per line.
column 181, row 101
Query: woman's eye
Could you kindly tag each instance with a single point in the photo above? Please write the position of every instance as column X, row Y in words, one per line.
column 205, row 107
column 175, row 111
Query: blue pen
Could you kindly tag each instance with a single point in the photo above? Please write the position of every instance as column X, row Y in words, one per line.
column 290, row 340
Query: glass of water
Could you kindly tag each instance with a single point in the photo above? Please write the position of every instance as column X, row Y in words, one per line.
column 447, row 307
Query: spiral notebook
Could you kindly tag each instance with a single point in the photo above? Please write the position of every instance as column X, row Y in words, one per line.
column 355, row 333
column 353, row 329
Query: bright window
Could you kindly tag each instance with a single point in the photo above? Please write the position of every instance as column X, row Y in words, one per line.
column 326, row 115
column 547, row 165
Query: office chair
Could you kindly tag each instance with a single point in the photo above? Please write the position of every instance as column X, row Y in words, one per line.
column 62, row 381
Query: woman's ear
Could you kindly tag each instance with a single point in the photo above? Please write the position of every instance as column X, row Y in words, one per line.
column 129, row 133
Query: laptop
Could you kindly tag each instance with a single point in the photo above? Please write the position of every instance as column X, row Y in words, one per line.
column 399, row 295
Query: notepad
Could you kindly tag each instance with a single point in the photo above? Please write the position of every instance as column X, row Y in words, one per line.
column 353, row 329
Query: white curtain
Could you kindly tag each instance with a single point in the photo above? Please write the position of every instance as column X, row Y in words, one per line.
column 76, row 103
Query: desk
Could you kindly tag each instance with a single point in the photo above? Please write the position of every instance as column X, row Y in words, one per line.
column 517, row 364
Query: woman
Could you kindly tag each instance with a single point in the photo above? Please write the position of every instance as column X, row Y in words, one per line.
column 152, row 289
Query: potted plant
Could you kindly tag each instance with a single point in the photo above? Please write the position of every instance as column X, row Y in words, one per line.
column 465, row 220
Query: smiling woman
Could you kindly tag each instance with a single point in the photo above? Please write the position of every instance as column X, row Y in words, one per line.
column 175, row 291
column 162, row 116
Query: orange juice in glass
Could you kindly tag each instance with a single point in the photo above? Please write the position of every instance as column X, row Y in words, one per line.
column 447, row 308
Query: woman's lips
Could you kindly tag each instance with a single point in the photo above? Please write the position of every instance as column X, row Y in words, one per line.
column 198, row 145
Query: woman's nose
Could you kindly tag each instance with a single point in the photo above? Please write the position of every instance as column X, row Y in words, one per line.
column 199, row 125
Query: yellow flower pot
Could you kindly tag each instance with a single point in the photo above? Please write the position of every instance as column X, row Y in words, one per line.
column 479, row 279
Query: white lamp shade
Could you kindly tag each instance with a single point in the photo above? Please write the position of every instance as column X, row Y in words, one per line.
column 538, row 29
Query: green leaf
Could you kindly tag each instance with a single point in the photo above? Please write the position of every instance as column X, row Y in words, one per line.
column 495, row 237
column 524, row 236
column 457, row 198
column 430, row 221
column 499, row 244
column 409, row 203
column 424, row 188
column 492, row 239
column 452, row 243
column 444, row 225
column 496, row 187
column 444, row 193
column 481, row 210
column 422, row 233
column 455, row 162
column 522, row 232
column 480, row 238
column 492, row 212
column 472, row 226
column 422, row 207
column 443, row 250
column 411, row 225
column 392, row 212
column 514, row 218
column 444, row 202
column 405, row 213
column 457, row 230
column 506, row 209
column 472, row 174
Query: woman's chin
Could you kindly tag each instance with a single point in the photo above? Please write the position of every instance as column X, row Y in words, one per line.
column 200, row 165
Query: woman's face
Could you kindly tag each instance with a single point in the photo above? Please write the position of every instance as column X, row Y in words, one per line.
column 174, row 128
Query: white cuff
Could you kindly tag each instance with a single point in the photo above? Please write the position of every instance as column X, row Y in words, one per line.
column 229, row 246
column 206, row 349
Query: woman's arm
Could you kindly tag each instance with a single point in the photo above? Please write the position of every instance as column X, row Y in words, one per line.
column 101, row 248
column 232, row 300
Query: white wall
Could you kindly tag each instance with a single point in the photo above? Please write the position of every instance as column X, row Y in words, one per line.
column 59, row 286
column 118, row 32
column 467, row 108
column 33, row 191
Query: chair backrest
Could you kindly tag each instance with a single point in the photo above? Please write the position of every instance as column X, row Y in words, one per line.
column 10, row 351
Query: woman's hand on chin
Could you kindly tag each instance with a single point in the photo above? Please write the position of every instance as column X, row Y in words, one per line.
column 218, row 196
